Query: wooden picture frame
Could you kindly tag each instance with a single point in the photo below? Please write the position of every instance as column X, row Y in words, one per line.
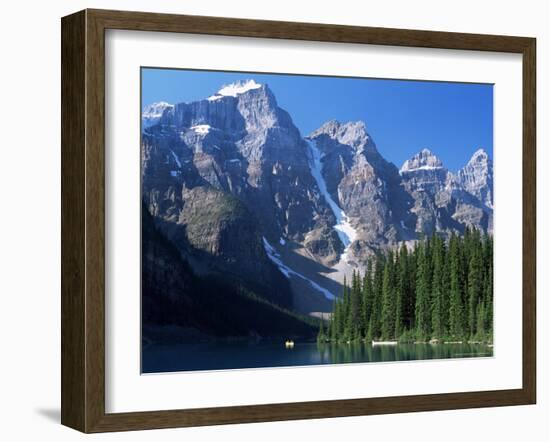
column 83, row 220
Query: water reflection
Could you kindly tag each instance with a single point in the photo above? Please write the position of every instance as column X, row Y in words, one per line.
column 233, row 355
column 331, row 353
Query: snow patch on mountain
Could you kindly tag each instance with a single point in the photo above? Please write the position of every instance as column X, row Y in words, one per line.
column 234, row 89
column 176, row 159
column 201, row 129
column 344, row 229
column 421, row 168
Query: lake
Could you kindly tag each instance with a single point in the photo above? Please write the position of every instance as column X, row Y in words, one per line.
column 158, row 358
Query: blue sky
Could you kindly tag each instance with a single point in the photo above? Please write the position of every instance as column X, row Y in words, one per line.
column 453, row 120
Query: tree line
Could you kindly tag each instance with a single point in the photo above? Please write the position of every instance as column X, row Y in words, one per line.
column 440, row 290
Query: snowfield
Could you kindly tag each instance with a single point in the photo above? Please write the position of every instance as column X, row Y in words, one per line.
column 344, row 229
column 234, row 89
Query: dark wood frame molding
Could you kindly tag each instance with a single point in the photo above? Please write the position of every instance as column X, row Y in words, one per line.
column 83, row 216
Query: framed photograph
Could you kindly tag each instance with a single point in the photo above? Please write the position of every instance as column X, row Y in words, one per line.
column 268, row 221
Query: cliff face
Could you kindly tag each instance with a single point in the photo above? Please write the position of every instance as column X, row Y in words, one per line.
column 364, row 185
column 477, row 177
column 445, row 202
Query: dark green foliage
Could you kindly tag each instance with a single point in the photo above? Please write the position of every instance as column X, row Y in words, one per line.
column 475, row 289
column 423, row 296
column 388, row 299
column 376, row 313
column 441, row 290
column 368, row 300
column 321, row 336
column 456, row 307
column 403, row 312
column 355, row 302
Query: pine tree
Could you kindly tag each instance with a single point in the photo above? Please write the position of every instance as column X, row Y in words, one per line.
column 445, row 292
column 370, row 335
column 438, row 322
column 456, row 308
column 480, row 323
column 368, row 299
column 377, row 289
column 411, row 302
column 474, row 280
column 422, row 311
column 355, row 307
column 489, row 302
column 344, row 312
column 339, row 319
column 388, row 300
column 329, row 335
column 402, row 290
column 321, row 337
column 488, row 285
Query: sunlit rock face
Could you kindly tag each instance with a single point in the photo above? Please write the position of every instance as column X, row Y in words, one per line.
column 477, row 177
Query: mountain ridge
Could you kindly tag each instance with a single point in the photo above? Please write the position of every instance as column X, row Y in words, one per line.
column 305, row 193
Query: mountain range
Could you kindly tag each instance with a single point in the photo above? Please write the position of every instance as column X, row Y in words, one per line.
column 231, row 183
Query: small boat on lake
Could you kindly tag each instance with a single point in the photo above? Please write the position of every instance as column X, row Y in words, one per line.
column 384, row 343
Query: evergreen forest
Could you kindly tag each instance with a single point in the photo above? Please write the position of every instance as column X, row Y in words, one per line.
column 441, row 290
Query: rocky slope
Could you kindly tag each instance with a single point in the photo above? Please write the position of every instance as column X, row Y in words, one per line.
column 179, row 305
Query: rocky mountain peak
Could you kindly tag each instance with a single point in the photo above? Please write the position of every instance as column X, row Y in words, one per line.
column 480, row 157
column 477, row 177
column 352, row 133
column 151, row 113
column 235, row 108
column 423, row 160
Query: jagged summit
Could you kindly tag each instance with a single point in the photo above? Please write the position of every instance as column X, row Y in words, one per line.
column 151, row 113
column 234, row 89
column 156, row 109
column 423, row 160
column 480, row 156
column 477, row 177
column 351, row 133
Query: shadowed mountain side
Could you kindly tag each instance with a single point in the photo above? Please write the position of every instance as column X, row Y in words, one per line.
column 219, row 236
column 186, row 306
column 307, row 298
